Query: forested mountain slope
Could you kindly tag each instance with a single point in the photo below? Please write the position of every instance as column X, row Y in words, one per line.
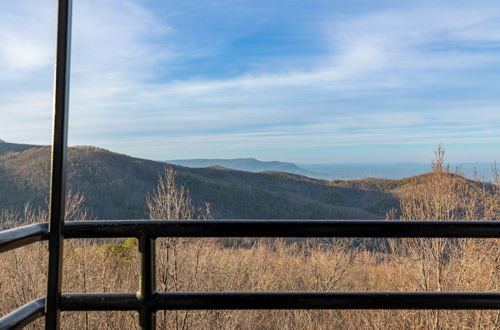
column 115, row 186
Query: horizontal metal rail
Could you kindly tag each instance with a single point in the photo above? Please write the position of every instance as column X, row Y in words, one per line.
column 150, row 301
column 282, row 300
column 17, row 237
column 257, row 300
column 23, row 315
column 281, row 228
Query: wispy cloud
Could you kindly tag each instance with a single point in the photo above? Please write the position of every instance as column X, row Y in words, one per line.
column 413, row 74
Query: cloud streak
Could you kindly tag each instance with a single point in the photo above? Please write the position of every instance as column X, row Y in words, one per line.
column 419, row 74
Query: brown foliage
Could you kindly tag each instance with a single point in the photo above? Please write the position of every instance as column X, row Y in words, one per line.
column 278, row 265
column 445, row 264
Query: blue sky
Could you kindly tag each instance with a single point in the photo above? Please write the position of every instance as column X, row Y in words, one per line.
column 304, row 81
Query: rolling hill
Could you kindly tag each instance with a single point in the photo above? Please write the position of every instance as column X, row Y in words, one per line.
column 115, row 186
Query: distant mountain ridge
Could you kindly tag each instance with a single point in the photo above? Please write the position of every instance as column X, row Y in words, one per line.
column 242, row 164
column 115, row 186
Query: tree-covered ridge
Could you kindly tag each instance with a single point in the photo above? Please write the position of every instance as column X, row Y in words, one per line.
column 115, row 186
column 6, row 147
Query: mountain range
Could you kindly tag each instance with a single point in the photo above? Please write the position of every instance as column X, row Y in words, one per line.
column 115, row 186
column 243, row 164
column 335, row 171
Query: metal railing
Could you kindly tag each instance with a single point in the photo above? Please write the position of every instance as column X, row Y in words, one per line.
column 147, row 300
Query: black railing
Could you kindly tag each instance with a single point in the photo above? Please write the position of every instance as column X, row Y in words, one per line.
column 147, row 300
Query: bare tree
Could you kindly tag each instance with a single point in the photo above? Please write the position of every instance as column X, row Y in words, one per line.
column 171, row 202
column 440, row 264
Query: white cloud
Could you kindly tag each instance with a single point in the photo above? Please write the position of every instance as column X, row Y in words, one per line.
column 437, row 36
column 25, row 42
column 115, row 49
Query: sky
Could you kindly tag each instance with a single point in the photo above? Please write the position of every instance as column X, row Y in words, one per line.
column 304, row 81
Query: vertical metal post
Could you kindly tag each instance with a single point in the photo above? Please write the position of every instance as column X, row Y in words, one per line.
column 147, row 284
column 58, row 171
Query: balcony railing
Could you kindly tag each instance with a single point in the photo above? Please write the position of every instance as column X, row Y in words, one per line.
column 147, row 300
